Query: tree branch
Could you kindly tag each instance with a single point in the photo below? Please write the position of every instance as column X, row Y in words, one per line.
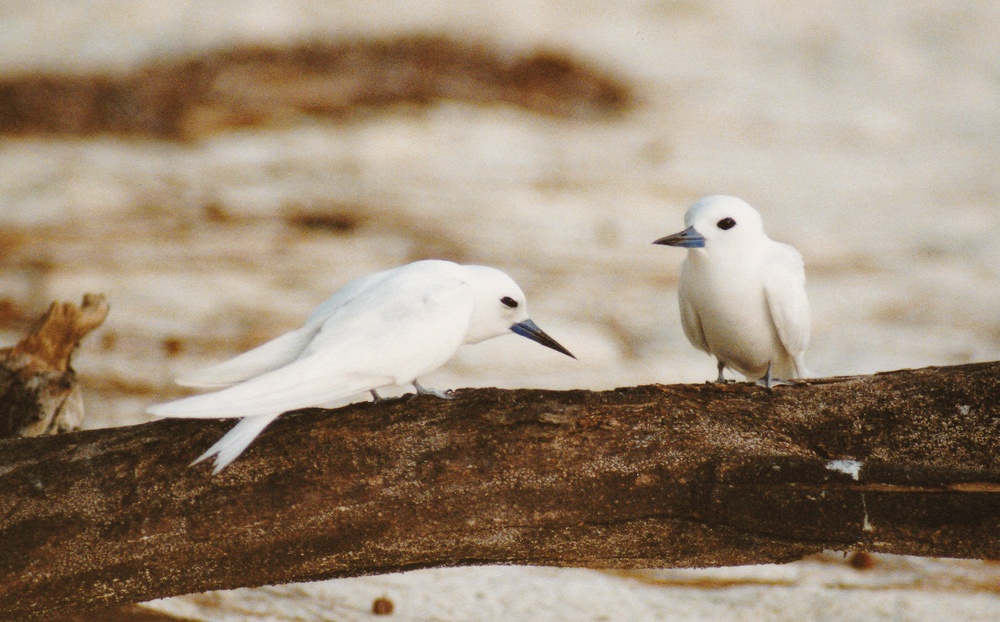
column 656, row 476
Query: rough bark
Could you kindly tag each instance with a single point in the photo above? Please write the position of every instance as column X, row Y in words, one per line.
column 652, row 476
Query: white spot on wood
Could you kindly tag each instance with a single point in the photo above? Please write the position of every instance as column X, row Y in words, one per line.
column 848, row 467
column 866, row 525
column 853, row 468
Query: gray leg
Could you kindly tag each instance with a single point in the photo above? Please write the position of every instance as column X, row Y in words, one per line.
column 445, row 395
column 378, row 399
column 768, row 382
column 721, row 379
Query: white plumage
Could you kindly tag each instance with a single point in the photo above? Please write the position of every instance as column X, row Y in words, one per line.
column 379, row 330
column 742, row 295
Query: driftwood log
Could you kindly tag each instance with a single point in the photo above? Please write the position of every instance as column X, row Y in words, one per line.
column 653, row 476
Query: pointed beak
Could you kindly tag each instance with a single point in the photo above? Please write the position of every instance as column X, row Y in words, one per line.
column 689, row 238
column 529, row 329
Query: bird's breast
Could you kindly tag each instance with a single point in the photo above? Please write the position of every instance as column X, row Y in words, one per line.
column 732, row 308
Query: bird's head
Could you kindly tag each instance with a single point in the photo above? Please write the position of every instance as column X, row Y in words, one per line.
column 717, row 221
column 500, row 308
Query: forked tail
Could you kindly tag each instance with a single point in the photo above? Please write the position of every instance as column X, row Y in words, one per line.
column 235, row 441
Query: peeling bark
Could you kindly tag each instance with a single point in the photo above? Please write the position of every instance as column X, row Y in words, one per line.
column 639, row 477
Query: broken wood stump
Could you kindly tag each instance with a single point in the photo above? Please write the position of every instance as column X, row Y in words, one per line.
column 38, row 389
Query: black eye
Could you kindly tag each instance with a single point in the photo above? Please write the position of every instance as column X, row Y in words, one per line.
column 510, row 302
column 726, row 223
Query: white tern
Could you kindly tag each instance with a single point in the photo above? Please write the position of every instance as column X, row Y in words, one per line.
column 742, row 295
column 379, row 330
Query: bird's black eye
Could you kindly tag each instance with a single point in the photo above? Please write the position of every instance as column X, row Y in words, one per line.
column 726, row 223
column 510, row 302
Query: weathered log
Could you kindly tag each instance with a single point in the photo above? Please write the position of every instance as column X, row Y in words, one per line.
column 654, row 476
column 38, row 388
column 40, row 394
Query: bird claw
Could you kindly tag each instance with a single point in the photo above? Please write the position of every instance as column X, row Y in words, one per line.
column 769, row 382
column 722, row 379
column 445, row 395
column 378, row 399
column 773, row 382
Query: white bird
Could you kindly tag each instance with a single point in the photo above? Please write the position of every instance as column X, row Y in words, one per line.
column 379, row 330
column 742, row 295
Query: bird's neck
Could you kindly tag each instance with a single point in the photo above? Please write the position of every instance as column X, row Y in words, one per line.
column 732, row 258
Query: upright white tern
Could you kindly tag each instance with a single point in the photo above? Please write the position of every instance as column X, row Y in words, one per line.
column 379, row 330
column 742, row 295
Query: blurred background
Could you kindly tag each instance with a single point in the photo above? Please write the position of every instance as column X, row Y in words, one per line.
column 218, row 168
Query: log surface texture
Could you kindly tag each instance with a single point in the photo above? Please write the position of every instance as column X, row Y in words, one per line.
column 655, row 476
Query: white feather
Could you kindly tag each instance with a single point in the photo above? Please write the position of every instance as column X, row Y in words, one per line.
column 232, row 444
column 264, row 358
column 785, row 288
column 286, row 348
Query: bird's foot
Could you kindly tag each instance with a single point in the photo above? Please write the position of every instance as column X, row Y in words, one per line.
column 722, row 379
column 769, row 381
column 769, row 384
column 378, row 399
column 445, row 395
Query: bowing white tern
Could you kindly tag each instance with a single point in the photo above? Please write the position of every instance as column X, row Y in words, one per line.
column 379, row 330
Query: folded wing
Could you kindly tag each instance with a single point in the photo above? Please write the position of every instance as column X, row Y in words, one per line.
column 785, row 288
column 262, row 359
column 388, row 333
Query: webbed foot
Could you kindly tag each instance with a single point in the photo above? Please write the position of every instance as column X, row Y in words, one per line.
column 769, row 382
column 445, row 395
column 722, row 379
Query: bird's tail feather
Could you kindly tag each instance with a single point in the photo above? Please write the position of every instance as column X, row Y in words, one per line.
column 801, row 371
column 235, row 441
column 303, row 383
column 271, row 355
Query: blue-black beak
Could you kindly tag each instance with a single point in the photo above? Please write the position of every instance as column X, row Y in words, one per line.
column 689, row 238
column 529, row 329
